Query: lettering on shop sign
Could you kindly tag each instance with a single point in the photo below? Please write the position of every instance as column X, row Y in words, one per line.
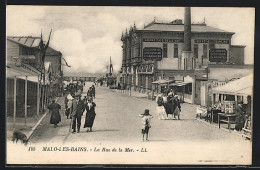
column 218, row 55
column 152, row 53
column 211, row 41
column 163, row 40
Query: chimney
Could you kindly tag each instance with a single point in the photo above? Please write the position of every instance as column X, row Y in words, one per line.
column 187, row 30
column 187, row 59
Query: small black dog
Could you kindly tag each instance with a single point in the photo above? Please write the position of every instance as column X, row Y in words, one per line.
column 19, row 136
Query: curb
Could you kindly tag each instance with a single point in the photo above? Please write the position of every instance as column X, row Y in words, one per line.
column 39, row 121
column 216, row 126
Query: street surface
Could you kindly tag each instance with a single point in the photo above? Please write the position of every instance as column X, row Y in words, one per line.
column 117, row 125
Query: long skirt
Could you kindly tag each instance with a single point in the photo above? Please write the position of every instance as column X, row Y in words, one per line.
column 89, row 120
column 161, row 112
column 55, row 118
column 168, row 108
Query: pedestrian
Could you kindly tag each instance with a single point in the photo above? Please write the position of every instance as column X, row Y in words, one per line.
column 240, row 117
column 69, row 99
column 93, row 91
column 76, row 111
column 90, row 114
column 55, row 114
column 146, row 123
column 160, row 108
column 176, row 107
column 169, row 107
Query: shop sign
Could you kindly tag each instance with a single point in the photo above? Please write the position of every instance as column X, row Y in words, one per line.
column 211, row 41
column 163, row 40
column 152, row 53
column 218, row 55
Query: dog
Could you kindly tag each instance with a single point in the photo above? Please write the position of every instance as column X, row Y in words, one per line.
column 20, row 136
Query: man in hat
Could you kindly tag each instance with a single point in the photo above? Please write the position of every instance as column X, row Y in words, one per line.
column 76, row 111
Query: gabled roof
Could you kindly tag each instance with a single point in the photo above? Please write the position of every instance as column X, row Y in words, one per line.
column 26, row 41
column 180, row 28
column 32, row 42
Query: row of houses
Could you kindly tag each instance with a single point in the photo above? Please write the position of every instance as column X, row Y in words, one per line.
column 28, row 87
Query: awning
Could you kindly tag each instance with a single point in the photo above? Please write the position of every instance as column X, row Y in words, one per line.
column 242, row 86
column 179, row 83
column 162, row 81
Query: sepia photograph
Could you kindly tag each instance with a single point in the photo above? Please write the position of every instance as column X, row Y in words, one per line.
column 129, row 85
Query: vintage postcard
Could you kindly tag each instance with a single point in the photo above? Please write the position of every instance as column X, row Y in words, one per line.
column 123, row 85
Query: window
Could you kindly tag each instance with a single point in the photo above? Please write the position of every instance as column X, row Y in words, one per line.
column 205, row 51
column 175, row 51
column 164, row 50
column 196, row 50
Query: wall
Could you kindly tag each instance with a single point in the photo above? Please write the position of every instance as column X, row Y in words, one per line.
column 237, row 54
column 12, row 50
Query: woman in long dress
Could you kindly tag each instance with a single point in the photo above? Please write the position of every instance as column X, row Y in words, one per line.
column 55, row 114
column 160, row 108
column 90, row 115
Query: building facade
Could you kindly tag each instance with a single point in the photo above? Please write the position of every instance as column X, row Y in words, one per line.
column 27, row 50
column 156, row 53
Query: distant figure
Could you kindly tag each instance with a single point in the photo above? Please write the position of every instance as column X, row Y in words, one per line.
column 55, row 114
column 146, row 123
column 93, row 91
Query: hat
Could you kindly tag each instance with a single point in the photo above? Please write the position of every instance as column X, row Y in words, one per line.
column 146, row 112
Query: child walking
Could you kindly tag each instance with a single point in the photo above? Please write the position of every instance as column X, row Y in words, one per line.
column 146, row 123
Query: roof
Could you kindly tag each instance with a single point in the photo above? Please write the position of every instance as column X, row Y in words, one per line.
column 26, row 41
column 13, row 70
column 242, row 86
column 51, row 51
column 180, row 28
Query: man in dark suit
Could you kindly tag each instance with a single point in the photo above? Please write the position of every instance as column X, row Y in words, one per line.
column 76, row 112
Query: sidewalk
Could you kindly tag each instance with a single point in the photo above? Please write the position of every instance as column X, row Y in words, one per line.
column 32, row 124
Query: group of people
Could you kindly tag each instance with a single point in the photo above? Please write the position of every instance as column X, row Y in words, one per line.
column 168, row 104
column 74, row 88
column 76, row 110
column 75, row 107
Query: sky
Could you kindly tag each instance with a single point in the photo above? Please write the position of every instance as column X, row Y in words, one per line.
column 88, row 36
